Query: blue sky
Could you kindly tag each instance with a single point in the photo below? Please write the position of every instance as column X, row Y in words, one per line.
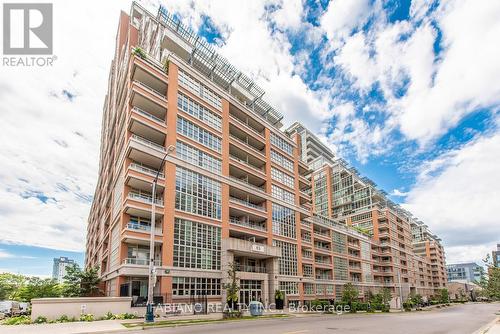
column 405, row 91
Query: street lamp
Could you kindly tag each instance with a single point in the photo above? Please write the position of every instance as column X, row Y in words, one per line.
column 152, row 270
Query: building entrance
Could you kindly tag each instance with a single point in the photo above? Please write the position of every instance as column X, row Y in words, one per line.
column 250, row 290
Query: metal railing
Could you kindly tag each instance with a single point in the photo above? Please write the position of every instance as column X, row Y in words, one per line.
column 148, row 115
column 140, row 262
column 248, row 224
column 246, row 163
column 247, row 183
column 142, row 227
column 246, row 203
column 251, row 269
column 237, row 120
column 144, row 198
column 146, row 170
column 152, row 90
column 246, row 144
column 148, row 142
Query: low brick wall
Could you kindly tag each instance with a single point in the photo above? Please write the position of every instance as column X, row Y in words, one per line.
column 53, row 308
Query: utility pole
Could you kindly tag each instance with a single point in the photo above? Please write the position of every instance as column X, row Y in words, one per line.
column 152, row 269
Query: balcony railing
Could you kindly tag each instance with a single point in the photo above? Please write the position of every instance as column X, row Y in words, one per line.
column 148, row 115
column 247, row 183
column 251, row 269
column 246, row 203
column 144, row 198
column 237, row 120
column 246, row 163
column 142, row 227
column 249, row 224
column 150, row 89
column 148, row 143
column 146, row 170
column 246, row 144
column 140, row 262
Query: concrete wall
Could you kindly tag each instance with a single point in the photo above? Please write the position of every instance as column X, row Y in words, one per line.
column 53, row 308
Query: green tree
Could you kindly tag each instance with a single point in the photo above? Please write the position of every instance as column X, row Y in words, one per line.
column 37, row 287
column 10, row 285
column 416, row 299
column 490, row 283
column 232, row 287
column 349, row 294
column 443, row 296
column 386, row 296
column 81, row 283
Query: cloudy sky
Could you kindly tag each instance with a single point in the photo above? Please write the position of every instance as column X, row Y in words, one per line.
column 408, row 92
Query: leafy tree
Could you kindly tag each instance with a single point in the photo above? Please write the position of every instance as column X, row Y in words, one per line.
column 81, row 283
column 232, row 287
column 37, row 287
column 443, row 296
column 386, row 296
column 350, row 294
column 490, row 283
column 416, row 299
column 10, row 285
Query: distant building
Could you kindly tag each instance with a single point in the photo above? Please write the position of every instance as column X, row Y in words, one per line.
column 496, row 257
column 59, row 268
column 464, row 272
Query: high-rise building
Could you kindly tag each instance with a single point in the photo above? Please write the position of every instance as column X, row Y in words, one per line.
column 496, row 257
column 59, row 267
column 237, row 189
column 464, row 272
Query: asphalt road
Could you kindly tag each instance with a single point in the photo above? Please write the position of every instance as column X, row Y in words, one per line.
column 455, row 320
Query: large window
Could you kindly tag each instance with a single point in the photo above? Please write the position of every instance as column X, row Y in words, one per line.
column 190, row 83
column 282, row 177
column 198, row 158
column 282, row 194
column 281, row 143
column 198, row 194
column 340, row 268
column 288, row 259
column 320, row 194
column 190, row 130
column 196, row 245
column 289, row 288
column 195, row 286
column 198, row 111
column 283, row 221
column 281, row 160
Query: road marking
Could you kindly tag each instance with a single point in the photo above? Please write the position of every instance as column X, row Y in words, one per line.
column 297, row 332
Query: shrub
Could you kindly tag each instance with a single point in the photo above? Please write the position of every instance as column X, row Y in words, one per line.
column 63, row 318
column 20, row 320
column 109, row 316
column 139, row 53
column 87, row 317
column 40, row 320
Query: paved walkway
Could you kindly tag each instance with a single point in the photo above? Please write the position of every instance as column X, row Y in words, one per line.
column 65, row 328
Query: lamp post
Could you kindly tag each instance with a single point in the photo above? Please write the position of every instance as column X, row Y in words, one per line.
column 152, row 270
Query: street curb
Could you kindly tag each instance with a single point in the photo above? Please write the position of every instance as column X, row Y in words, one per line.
column 487, row 327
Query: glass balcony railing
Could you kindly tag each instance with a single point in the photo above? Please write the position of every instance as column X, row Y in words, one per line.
column 140, row 262
column 142, row 227
column 251, row 269
column 148, row 115
column 150, row 89
column 144, row 198
column 146, row 170
column 148, row 143
column 249, row 224
column 246, row 203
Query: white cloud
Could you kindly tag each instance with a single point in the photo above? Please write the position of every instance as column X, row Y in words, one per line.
column 5, row 255
column 399, row 193
column 457, row 195
column 342, row 17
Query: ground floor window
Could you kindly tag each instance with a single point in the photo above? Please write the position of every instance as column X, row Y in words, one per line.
column 196, row 286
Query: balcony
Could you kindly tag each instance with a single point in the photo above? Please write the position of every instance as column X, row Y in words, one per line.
column 246, row 146
column 145, row 152
column 143, row 228
column 149, row 100
column 251, row 269
column 149, row 70
column 140, row 262
column 247, row 204
column 146, row 119
column 141, row 197
column 241, row 118
column 245, row 222
column 236, row 122
column 248, row 179
column 146, row 170
column 240, row 162
column 248, row 248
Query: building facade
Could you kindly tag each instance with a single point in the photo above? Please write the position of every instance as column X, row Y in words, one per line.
column 464, row 272
column 59, row 268
column 496, row 257
column 237, row 189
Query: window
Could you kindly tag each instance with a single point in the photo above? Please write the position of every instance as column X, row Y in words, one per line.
column 198, row 194
column 282, row 177
column 283, row 221
column 193, row 85
column 282, row 194
column 288, row 259
column 339, row 242
column 195, row 286
column 320, row 194
column 198, row 158
column 281, row 143
column 340, row 268
column 198, row 111
column 190, row 130
column 289, row 288
column 307, row 270
column 281, row 160
column 308, row 288
column 196, row 245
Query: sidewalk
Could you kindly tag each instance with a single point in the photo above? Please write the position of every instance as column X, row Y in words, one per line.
column 65, row 328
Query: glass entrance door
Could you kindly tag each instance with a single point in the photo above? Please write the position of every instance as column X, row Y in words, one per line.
column 250, row 290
